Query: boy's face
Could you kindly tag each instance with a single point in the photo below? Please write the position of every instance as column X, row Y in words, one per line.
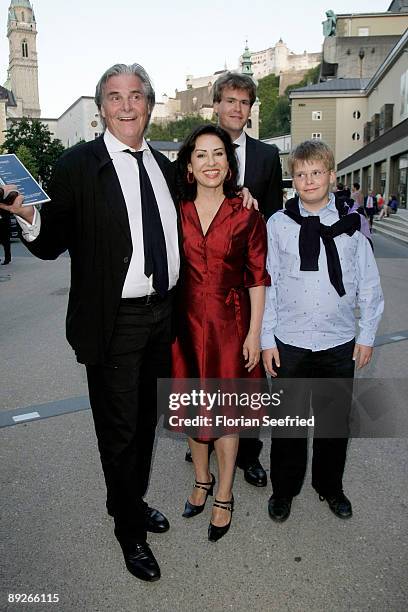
column 312, row 181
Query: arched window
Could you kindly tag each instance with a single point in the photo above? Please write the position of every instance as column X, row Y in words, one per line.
column 24, row 48
column 355, row 136
column 22, row 16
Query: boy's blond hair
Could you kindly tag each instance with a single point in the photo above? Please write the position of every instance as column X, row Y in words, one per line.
column 309, row 151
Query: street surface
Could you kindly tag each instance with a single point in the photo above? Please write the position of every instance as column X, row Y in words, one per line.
column 58, row 539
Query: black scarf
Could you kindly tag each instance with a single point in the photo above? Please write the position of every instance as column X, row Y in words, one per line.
column 311, row 230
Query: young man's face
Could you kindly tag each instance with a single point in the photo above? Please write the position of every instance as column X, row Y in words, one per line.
column 233, row 111
column 312, row 181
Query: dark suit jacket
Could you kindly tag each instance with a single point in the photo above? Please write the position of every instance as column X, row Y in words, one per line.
column 87, row 216
column 263, row 175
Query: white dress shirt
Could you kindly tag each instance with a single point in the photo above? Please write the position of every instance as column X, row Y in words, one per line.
column 240, row 152
column 136, row 283
column 303, row 308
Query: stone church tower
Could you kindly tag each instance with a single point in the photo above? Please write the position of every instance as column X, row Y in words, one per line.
column 22, row 78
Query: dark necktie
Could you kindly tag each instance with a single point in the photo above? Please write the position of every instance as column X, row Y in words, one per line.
column 154, row 243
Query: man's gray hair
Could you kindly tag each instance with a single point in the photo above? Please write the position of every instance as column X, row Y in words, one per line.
column 117, row 70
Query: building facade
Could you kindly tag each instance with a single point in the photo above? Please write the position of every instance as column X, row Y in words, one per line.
column 381, row 163
column 279, row 59
column 355, row 45
column 22, row 78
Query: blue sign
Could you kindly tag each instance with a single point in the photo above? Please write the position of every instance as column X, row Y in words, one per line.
column 12, row 172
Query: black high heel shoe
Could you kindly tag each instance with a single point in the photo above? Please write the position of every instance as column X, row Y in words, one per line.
column 214, row 532
column 190, row 509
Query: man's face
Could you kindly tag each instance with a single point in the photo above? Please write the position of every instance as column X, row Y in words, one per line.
column 312, row 181
column 233, row 110
column 124, row 108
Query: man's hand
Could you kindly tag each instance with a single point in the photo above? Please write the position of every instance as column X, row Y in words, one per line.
column 269, row 356
column 17, row 208
column 247, row 200
column 362, row 355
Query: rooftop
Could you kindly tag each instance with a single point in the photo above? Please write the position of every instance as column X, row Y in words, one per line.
column 335, row 85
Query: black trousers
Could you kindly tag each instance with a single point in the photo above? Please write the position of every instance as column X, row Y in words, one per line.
column 5, row 240
column 289, row 455
column 123, row 397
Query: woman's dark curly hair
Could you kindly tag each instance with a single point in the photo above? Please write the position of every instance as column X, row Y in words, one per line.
column 187, row 192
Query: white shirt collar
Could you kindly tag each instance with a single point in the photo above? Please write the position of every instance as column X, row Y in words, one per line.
column 331, row 205
column 115, row 146
column 241, row 140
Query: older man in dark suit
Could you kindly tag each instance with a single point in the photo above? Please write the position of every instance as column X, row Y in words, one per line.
column 112, row 209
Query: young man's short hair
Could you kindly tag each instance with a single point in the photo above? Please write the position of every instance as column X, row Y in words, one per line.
column 234, row 80
column 309, row 151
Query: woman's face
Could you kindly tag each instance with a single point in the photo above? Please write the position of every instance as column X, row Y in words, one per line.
column 209, row 163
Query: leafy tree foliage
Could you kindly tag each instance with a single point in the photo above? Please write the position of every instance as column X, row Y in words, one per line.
column 274, row 112
column 37, row 138
column 175, row 129
column 26, row 157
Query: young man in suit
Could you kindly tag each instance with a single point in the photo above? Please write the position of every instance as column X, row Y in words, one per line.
column 260, row 171
column 110, row 199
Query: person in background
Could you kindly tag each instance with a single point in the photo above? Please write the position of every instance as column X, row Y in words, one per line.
column 5, row 231
column 342, row 191
column 370, row 207
column 382, row 206
column 393, row 204
column 357, row 194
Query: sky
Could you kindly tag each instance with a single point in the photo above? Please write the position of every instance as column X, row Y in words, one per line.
column 79, row 39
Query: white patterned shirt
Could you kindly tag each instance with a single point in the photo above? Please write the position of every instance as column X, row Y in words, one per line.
column 303, row 308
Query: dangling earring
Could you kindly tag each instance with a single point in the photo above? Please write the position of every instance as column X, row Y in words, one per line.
column 190, row 178
column 229, row 175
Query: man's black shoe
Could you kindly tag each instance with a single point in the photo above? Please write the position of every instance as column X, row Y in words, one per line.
column 254, row 474
column 156, row 522
column 141, row 563
column 339, row 504
column 279, row 508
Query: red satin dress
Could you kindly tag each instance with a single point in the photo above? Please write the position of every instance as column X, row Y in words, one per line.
column 214, row 309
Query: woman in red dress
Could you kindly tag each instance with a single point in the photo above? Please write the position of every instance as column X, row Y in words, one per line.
column 222, row 292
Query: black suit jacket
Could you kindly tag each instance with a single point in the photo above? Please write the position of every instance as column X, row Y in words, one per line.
column 263, row 175
column 88, row 217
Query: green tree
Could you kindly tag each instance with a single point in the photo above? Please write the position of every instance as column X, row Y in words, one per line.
column 268, row 93
column 274, row 112
column 37, row 138
column 26, row 157
column 175, row 129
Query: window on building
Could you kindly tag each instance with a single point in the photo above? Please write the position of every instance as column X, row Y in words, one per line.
column 356, row 136
column 364, row 31
column 316, row 115
column 249, row 123
column 24, row 48
column 356, row 114
column 317, row 135
column 22, row 16
column 97, row 134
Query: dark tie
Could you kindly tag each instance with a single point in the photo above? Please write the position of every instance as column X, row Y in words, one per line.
column 154, row 243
